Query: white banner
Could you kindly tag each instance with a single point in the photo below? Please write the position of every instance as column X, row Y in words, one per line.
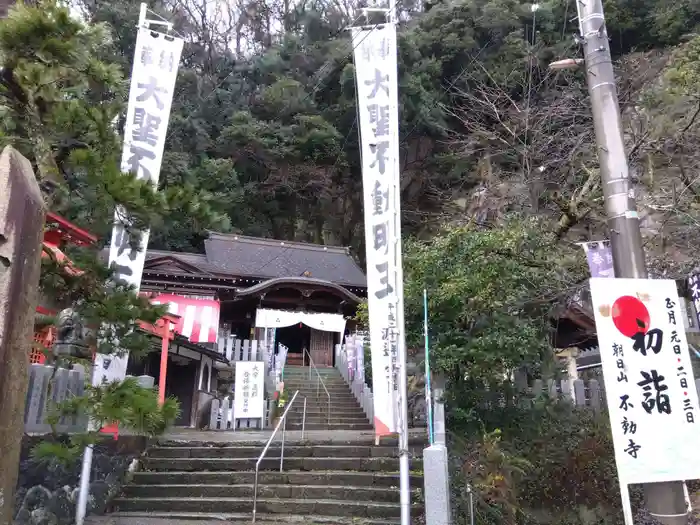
column 249, row 389
column 281, row 318
column 350, row 350
column 377, row 100
column 280, row 361
column 360, row 356
column 153, row 75
column 651, row 395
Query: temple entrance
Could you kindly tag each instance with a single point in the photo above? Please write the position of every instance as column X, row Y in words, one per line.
column 296, row 330
column 296, row 338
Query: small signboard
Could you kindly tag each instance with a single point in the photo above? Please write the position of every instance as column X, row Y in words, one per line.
column 650, row 389
column 248, row 402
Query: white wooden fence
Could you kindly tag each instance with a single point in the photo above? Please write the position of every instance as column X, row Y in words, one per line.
column 241, row 350
column 221, row 415
column 355, row 381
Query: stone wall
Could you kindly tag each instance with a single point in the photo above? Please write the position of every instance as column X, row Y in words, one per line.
column 47, row 491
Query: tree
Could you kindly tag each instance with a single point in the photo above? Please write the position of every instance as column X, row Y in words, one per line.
column 491, row 292
column 59, row 100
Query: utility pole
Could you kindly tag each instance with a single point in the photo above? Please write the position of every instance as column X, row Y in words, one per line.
column 665, row 501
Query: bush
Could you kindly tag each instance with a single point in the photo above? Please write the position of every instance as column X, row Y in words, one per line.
column 492, row 474
column 553, row 464
column 574, row 477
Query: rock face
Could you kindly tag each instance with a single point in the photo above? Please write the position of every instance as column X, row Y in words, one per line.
column 47, row 490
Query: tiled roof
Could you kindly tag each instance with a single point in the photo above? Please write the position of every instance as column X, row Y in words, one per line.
column 255, row 257
column 198, row 260
column 240, row 256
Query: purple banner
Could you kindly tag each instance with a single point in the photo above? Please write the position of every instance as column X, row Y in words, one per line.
column 694, row 287
column 600, row 259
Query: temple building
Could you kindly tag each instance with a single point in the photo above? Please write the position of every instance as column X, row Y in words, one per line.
column 241, row 295
column 301, row 295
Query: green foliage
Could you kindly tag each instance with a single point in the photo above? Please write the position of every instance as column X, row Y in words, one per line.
column 492, row 474
column 573, row 460
column 490, row 293
column 132, row 406
column 98, row 298
column 555, row 464
column 684, row 75
column 60, row 100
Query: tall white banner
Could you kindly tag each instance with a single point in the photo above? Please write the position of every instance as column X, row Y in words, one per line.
column 651, row 394
column 377, row 100
column 153, row 76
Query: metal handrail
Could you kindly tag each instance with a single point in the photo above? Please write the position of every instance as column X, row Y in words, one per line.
column 283, row 420
column 319, row 382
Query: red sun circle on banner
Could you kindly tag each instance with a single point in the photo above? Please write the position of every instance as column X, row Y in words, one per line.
column 630, row 316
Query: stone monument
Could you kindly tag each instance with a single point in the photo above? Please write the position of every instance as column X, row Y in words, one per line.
column 21, row 231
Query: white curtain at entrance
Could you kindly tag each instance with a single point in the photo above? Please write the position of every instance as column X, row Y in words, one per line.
column 280, row 318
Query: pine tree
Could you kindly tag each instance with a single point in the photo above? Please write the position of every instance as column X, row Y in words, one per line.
column 59, row 101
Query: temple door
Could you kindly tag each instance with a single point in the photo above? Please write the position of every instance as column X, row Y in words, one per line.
column 321, row 347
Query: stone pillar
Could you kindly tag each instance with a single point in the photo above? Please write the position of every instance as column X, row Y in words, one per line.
column 436, row 485
column 436, row 479
column 21, row 229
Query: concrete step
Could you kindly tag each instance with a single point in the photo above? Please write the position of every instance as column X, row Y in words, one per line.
column 273, row 463
column 323, row 418
column 291, row 477
column 323, row 411
column 364, row 438
column 303, row 492
column 333, row 426
column 312, row 394
column 300, row 507
column 211, row 518
column 308, row 384
column 322, row 404
column 290, row 451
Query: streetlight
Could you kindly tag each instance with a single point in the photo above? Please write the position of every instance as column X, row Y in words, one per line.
column 567, row 63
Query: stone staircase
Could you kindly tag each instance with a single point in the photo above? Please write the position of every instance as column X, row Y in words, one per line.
column 325, row 482
column 345, row 411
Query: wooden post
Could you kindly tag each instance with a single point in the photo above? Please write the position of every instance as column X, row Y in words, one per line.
column 167, row 336
column 21, row 231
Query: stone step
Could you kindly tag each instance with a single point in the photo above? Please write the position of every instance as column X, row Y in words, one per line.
column 291, row 477
column 301, row 507
column 332, row 426
column 308, row 384
column 312, row 384
column 304, row 384
column 302, row 492
column 312, row 394
column 323, row 418
column 323, row 411
column 210, row 518
column 290, row 451
column 321, row 405
column 273, row 463
column 417, row 438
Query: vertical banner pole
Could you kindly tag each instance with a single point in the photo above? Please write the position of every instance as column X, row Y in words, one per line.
column 376, row 70
column 428, row 387
column 153, row 76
